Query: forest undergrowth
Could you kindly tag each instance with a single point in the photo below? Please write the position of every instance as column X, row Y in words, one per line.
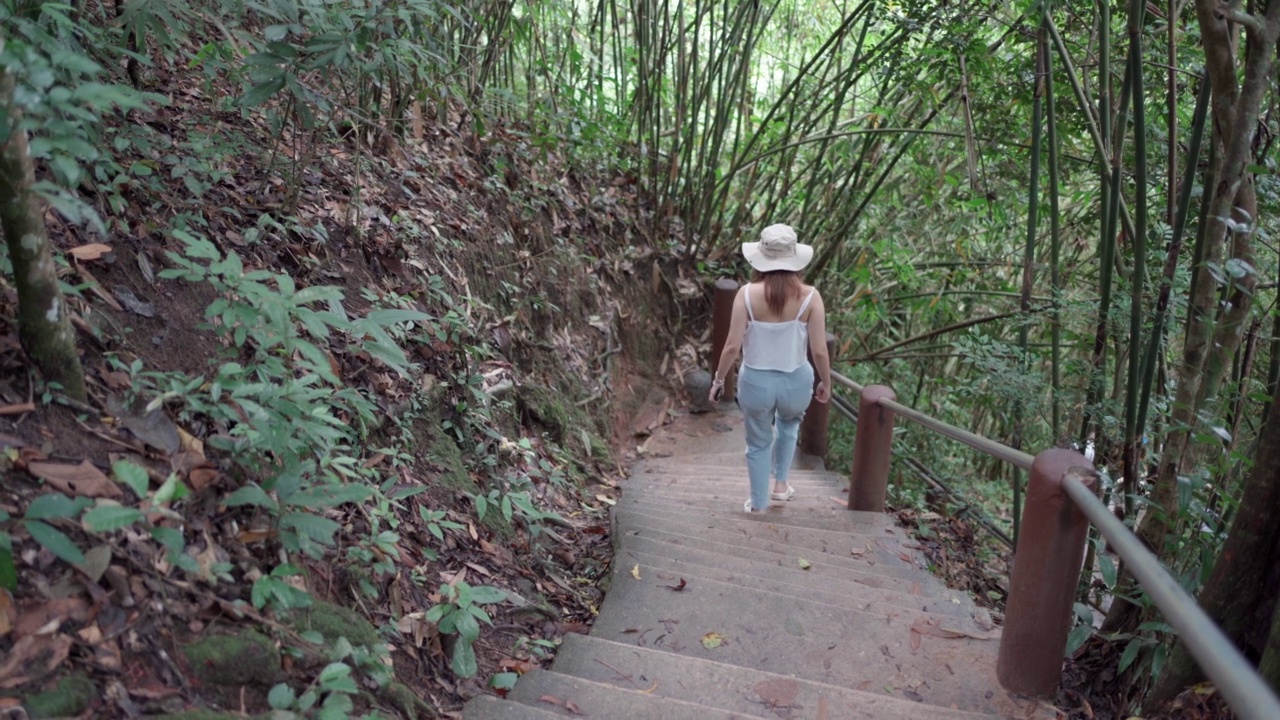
column 356, row 411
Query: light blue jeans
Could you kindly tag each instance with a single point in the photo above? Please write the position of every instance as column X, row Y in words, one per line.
column 773, row 404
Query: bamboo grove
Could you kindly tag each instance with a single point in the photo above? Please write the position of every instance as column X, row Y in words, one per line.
column 1047, row 222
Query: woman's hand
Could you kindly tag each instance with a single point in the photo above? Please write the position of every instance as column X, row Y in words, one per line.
column 822, row 393
column 717, row 390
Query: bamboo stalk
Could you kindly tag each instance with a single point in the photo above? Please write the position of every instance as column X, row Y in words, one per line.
column 1139, row 241
column 1029, row 251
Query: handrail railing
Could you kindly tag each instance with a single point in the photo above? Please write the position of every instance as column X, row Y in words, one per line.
column 1061, row 501
column 1047, row 568
column 1237, row 679
column 977, row 442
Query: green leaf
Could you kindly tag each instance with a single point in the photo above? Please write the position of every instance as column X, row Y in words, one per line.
column 169, row 491
column 1079, row 634
column 110, row 516
column 1107, row 567
column 281, row 697
column 56, row 505
column 1130, row 654
column 337, row 706
column 329, row 495
column 436, row 612
column 487, row 594
column 8, row 571
column 133, row 476
column 263, row 91
column 250, row 494
column 468, row 628
column 464, row 660
column 503, row 681
column 56, row 541
column 313, row 526
column 395, row 315
column 336, row 677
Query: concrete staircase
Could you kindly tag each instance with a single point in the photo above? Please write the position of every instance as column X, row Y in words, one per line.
column 805, row 611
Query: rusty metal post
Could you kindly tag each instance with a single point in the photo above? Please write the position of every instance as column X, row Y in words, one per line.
column 1046, row 571
column 872, row 449
column 813, row 430
column 721, row 313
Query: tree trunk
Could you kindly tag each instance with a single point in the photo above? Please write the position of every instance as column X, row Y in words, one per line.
column 44, row 327
column 1240, row 594
column 1235, row 112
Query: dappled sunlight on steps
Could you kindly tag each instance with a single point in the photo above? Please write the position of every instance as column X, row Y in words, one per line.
column 807, row 610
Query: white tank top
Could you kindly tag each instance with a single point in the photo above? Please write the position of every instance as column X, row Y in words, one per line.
column 776, row 345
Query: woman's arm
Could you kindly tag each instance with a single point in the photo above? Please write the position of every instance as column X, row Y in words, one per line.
column 732, row 344
column 818, row 347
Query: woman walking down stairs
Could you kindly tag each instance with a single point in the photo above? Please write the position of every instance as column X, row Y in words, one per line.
column 807, row 610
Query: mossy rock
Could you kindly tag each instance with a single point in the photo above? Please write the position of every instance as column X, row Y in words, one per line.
column 246, row 657
column 71, row 696
column 406, row 701
column 334, row 621
column 440, row 449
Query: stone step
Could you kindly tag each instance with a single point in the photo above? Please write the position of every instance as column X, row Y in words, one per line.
column 669, row 571
column 821, row 517
column 831, row 484
column 488, row 707
column 581, row 697
column 784, row 515
column 866, row 548
column 841, row 557
column 717, row 555
column 731, row 497
column 686, row 466
column 733, row 688
column 822, row 643
column 739, row 485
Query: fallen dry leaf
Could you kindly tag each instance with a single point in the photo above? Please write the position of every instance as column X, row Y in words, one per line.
column 635, row 571
column 83, row 479
column 92, row 251
column 18, row 409
column 33, row 618
column 551, row 700
column 712, row 640
column 253, row 536
column 33, row 656
column 679, row 587
column 7, row 613
column 805, row 564
column 201, row 477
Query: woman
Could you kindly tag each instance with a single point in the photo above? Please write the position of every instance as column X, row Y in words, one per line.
column 776, row 317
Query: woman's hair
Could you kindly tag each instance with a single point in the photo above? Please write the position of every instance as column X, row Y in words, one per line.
column 779, row 287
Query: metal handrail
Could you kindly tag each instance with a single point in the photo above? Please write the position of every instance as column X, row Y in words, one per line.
column 1235, row 677
column 843, row 407
column 977, row 442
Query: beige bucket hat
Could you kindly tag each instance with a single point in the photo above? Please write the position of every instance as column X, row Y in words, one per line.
column 777, row 250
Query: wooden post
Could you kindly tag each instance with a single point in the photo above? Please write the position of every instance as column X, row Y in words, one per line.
column 1046, row 572
column 872, row 449
column 721, row 314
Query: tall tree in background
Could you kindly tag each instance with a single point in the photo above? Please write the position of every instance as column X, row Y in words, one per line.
column 1240, row 594
column 44, row 325
column 1213, row 337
